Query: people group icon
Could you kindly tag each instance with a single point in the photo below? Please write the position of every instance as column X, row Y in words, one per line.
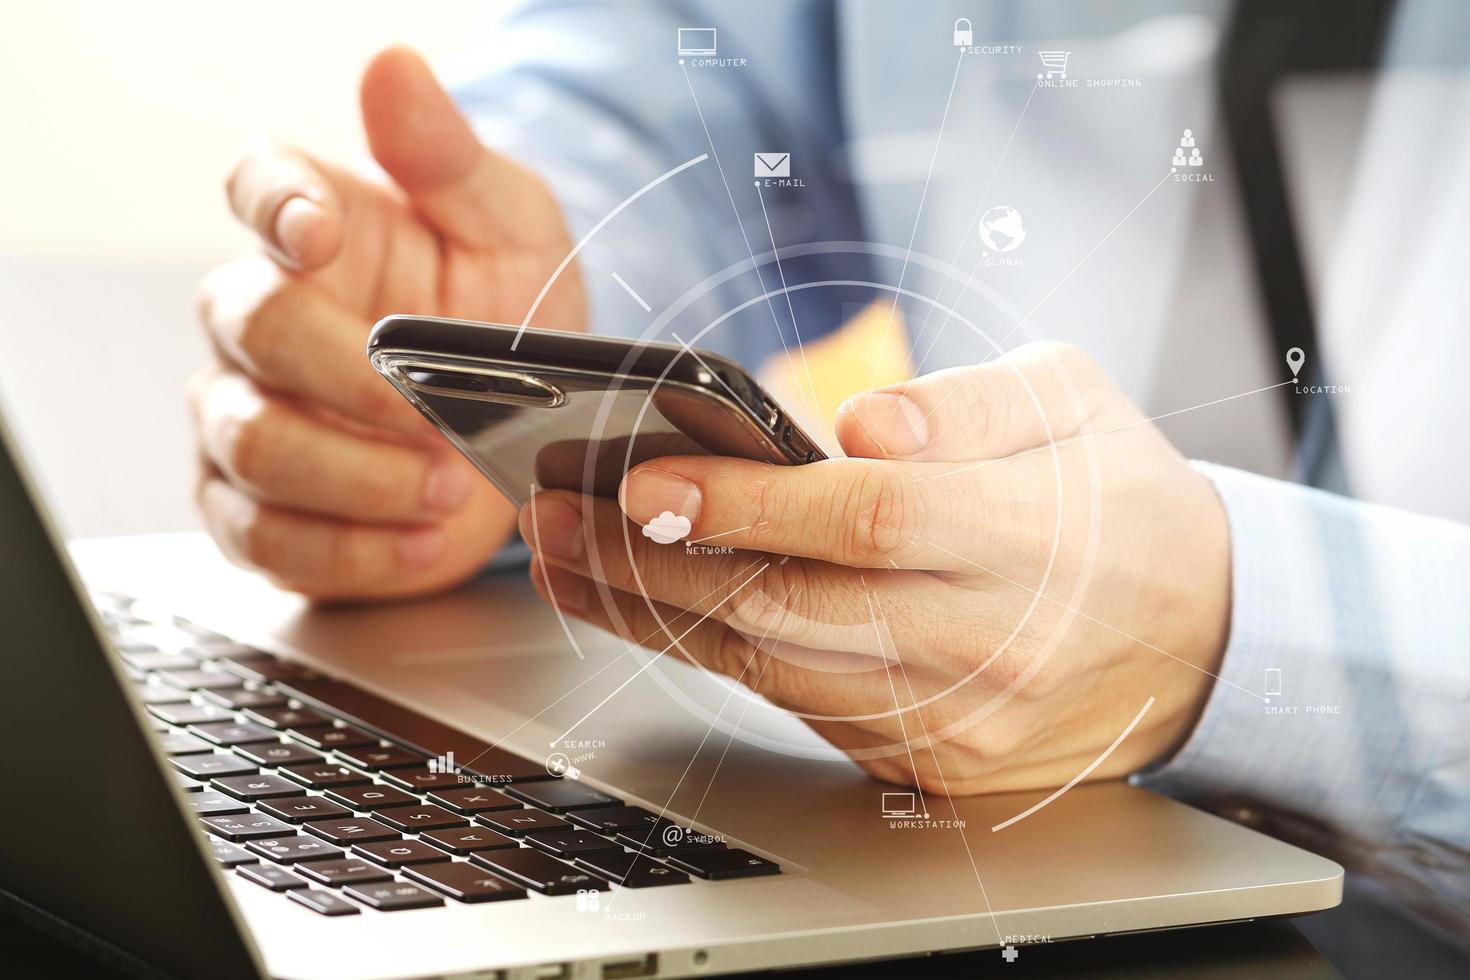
column 1194, row 159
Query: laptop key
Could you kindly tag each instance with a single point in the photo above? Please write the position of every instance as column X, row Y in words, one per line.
column 519, row 823
column 299, row 809
column 562, row 795
column 370, row 797
column 397, row 853
column 244, row 826
column 464, row 882
column 211, row 765
column 537, row 871
column 421, row 780
column 182, row 743
column 631, row 870
column 162, row 694
column 189, row 714
column 611, row 820
column 324, row 775
column 351, row 831
column 391, row 897
column 319, row 900
column 229, row 855
column 258, row 787
column 283, row 717
column 233, row 732
column 263, row 669
column 278, row 753
column 291, row 848
column 473, row 799
column 327, row 739
column 198, row 678
column 186, row 784
column 424, row 816
column 158, row 660
column 240, row 698
column 376, row 757
column 344, row 871
column 492, row 764
column 668, row 838
column 467, row 840
column 570, row 843
column 209, row 802
column 275, row 878
column 728, row 863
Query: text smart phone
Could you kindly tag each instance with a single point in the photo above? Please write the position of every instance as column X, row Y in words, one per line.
column 541, row 409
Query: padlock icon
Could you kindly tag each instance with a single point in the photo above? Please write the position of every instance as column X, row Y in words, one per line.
column 964, row 34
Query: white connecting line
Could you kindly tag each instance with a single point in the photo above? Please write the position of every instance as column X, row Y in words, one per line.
column 965, row 238
column 1090, row 619
column 980, row 464
column 918, row 214
column 595, row 674
column 755, row 652
column 998, row 346
column 801, row 348
column 943, row 782
column 654, row 659
column 738, row 222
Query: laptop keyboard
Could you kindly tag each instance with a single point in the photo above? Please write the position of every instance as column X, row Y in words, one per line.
column 322, row 791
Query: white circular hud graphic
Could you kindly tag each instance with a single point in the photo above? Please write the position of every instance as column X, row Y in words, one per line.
column 671, row 528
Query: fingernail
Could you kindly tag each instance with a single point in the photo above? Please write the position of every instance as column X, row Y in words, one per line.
column 648, row 492
column 556, row 529
column 892, row 421
column 565, row 589
column 421, row 548
column 448, row 485
column 296, row 221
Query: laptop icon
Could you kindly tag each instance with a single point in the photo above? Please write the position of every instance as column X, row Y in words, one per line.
column 696, row 42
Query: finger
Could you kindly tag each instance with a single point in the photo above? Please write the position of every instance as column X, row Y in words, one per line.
column 474, row 196
column 857, row 513
column 1035, row 394
column 820, row 606
column 289, row 201
column 282, row 456
column 289, row 336
column 761, row 662
column 331, row 560
column 324, row 558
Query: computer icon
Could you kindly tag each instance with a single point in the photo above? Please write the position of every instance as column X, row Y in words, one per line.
column 695, row 41
column 896, row 805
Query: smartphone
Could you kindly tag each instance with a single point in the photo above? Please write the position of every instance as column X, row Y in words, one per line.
column 540, row 409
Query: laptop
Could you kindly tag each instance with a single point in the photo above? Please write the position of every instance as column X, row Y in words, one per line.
column 228, row 782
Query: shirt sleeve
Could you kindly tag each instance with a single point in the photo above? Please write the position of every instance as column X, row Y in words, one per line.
column 1350, row 637
column 593, row 97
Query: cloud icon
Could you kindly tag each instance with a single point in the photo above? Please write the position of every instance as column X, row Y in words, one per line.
column 667, row 528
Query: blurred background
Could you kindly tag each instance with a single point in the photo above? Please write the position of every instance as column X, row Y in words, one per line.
column 122, row 121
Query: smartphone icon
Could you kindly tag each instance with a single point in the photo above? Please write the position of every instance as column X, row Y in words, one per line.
column 1273, row 680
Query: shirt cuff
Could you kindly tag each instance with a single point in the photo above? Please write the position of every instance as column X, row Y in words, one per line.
column 1272, row 731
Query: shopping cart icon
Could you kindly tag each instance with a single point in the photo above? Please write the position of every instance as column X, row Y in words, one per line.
column 1055, row 63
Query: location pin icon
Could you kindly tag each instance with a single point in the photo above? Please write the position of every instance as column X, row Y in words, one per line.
column 1295, row 358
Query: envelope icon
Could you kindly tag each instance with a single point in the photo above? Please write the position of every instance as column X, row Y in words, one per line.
column 773, row 164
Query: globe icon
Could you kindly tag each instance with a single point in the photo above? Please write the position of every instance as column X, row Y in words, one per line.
column 1001, row 229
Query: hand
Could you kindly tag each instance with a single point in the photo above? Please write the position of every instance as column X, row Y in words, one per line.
column 1028, row 599
column 315, row 470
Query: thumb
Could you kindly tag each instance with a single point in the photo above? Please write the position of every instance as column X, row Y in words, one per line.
column 470, row 194
column 1038, row 393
